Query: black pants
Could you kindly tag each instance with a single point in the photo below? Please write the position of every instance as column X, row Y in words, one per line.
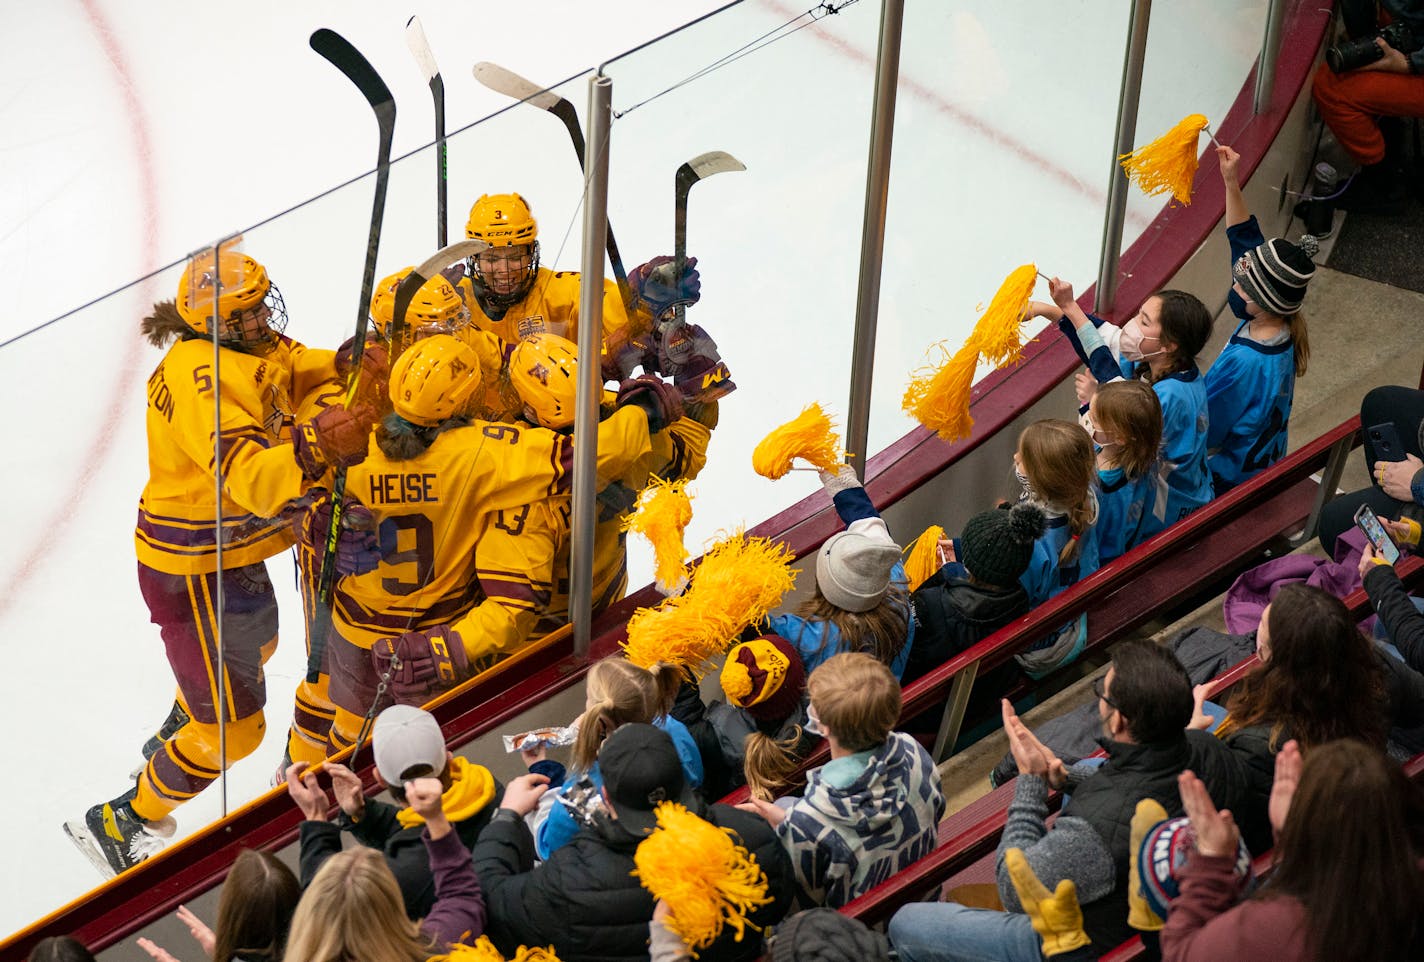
column 1404, row 408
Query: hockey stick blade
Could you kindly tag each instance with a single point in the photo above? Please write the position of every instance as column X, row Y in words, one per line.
column 509, row 83
column 698, row 168
column 432, row 265
column 425, row 59
column 420, row 48
column 346, row 58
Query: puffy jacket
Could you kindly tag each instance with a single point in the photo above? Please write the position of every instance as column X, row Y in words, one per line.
column 585, row 901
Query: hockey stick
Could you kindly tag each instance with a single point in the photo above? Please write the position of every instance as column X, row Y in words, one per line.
column 420, row 49
column 698, row 168
column 412, row 282
column 359, row 71
column 510, row 84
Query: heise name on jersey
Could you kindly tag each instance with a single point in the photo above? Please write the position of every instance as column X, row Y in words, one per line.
column 409, row 488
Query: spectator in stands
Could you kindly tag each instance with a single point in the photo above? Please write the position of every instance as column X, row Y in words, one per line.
column 255, row 910
column 977, row 591
column 1320, row 679
column 353, row 910
column 60, row 948
column 1399, row 615
column 1347, row 882
column 1054, row 463
column 1145, row 702
column 757, row 736
column 862, row 598
column 1394, row 463
column 618, row 692
column 875, row 806
column 584, row 900
column 1125, row 418
column 1251, row 384
column 1354, row 102
column 407, row 743
column 1158, row 345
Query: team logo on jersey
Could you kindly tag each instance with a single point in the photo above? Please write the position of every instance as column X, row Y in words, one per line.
column 529, row 326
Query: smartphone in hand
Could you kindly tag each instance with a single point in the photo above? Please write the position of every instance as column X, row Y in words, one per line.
column 1384, row 545
column 1384, row 438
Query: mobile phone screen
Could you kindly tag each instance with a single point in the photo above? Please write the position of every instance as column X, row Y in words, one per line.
column 1370, row 524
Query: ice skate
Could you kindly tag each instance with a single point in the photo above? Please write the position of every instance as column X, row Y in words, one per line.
column 176, row 719
column 114, row 838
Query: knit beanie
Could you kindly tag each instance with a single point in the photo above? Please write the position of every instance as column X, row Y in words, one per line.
column 997, row 545
column 765, row 676
column 825, row 935
column 853, row 566
column 1274, row 274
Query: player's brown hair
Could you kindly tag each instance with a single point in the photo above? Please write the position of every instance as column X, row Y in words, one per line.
column 856, row 698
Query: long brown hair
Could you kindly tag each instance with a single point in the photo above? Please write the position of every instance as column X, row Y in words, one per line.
column 1058, row 461
column 879, row 632
column 620, row 692
column 1350, row 850
column 769, row 765
column 1300, row 341
column 1130, row 412
column 400, row 440
column 353, row 910
column 255, row 909
column 1321, row 679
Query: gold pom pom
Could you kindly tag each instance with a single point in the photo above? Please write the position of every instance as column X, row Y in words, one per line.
column 706, row 879
column 484, row 951
column 938, row 397
column 736, row 584
column 662, row 516
column 996, row 333
column 923, row 559
column 1169, row 163
column 809, row 436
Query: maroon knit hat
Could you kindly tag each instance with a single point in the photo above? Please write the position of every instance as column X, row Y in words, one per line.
column 765, row 676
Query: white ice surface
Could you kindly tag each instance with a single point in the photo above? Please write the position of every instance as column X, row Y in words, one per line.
column 133, row 133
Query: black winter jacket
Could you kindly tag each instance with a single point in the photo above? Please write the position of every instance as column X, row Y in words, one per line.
column 1108, row 799
column 403, row 847
column 584, row 900
column 955, row 614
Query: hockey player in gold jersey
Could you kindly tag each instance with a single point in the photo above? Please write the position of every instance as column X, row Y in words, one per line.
column 266, row 463
column 434, row 481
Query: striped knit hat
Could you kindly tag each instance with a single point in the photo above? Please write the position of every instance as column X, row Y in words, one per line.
column 1275, row 273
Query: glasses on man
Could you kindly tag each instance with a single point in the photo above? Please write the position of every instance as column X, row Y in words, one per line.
column 1100, row 684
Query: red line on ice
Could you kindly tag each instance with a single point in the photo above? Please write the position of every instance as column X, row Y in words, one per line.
column 99, row 449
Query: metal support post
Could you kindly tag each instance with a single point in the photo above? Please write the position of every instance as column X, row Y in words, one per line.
column 1128, row 96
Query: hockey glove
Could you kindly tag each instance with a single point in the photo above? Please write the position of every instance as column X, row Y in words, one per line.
column 357, row 548
column 372, row 385
column 334, row 438
column 658, row 287
column 421, row 663
column 688, row 355
column 660, row 400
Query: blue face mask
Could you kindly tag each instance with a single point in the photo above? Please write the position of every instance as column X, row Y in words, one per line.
column 1238, row 305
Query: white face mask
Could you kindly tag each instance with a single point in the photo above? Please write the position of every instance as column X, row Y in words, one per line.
column 1132, row 342
column 1023, row 483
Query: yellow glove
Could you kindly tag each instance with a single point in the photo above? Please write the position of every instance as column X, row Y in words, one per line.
column 1056, row 916
column 1412, row 538
column 1139, row 915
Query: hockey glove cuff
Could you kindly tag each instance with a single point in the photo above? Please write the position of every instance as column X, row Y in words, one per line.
column 421, row 663
column 357, row 549
column 660, row 400
column 659, row 288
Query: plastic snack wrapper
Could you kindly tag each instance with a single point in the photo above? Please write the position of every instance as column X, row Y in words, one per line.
column 551, row 737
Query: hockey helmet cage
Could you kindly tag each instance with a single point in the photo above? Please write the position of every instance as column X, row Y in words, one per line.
column 502, row 220
column 436, row 308
column 544, row 371
column 435, row 379
column 249, row 305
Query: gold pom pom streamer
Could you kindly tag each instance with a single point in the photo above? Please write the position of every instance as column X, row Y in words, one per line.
column 923, row 559
column 737, row 583
column 662, row 516
column 484, row 951
column 707, row 881
column 809, row 435
column 996, row 333
column 1169, row 163
column 938, row 398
